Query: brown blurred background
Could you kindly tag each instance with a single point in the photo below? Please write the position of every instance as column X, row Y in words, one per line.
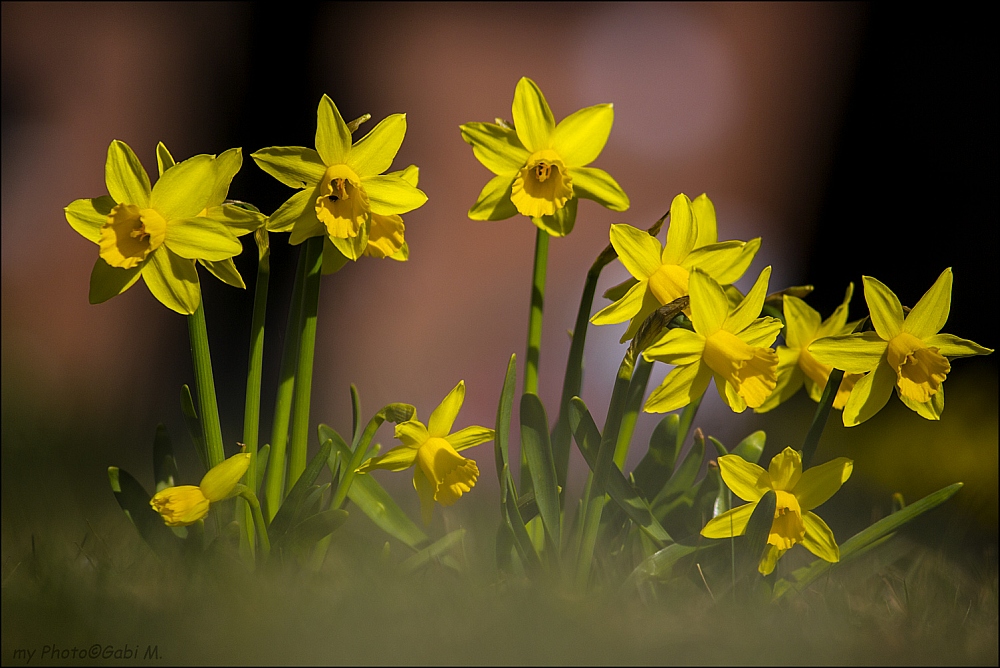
column 852, row 141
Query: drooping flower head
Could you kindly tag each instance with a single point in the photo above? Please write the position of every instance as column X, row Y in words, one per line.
column 344, row 195
column 729, row 344
column 439, row 472
column 661, row 274
column 906, row 353
column 541, row 167
column 154, row 232
column 796, row 366
column 797, row 492
column 186, row 504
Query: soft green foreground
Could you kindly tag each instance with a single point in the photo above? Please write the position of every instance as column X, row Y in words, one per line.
column 923, row 607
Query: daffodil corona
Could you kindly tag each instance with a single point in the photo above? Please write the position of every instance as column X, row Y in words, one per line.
column 154, row 232
column 907, row 353
column 186, row 504
column 729, row 344
column 797, row 492
column 541, row 167
column 344, row 194
column 661, row 274
column 439, row 472
column 796, row 366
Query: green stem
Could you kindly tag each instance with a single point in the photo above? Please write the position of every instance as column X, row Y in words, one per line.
column 821, row 415
column 205, row 386
column 535, row 315
column 633, row 404
column 304, row 370
column 534, row 333
column 594, row 503
column 687, row 418
column 251, row 411
column 274, row 486
column 573, row 380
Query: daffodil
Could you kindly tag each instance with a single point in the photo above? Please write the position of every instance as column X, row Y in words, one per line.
column 439, row 472
column 727, row 343
column 186, row 504
column 660, row 274
column 344, row 194
column 907, row 353
column 797, row 492
column 155, row 232
column 541, row 167
column 796, row 366
column 238, row 219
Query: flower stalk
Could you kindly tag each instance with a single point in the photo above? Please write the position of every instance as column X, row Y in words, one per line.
column 208, row 406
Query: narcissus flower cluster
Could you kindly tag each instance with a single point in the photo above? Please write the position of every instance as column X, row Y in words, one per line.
column 156, row 232
column 439, row 472
column 541, row 167
column 907, row 353
column 797, row 492
column 729, row 344
column 186, row 504
column 344, row 194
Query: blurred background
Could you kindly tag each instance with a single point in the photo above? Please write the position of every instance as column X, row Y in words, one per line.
column 852, row 142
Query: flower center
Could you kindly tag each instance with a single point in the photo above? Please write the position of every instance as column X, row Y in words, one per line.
column 920, row 369
column 451, row 474
column 787, row 528
column 543, row 186
column 342, row 203
column 130, row 235
column 669, row 282
column 752, row 371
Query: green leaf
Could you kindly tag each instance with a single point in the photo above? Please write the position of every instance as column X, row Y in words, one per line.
column 865, row 540
column 588, row 438
column 164, row 464
column 436, row 549
column 683, row 478
column 356, row 416
column 538, row 451
column 307, row 533
column 194, row 425
column 372, row 499
column 286, row 514
column 133, row 499
column 751, row 447
column 504, row 409
column 720, row 449
column 515, row 522
column 751, row 548
column 657, row 464
column 659, row 565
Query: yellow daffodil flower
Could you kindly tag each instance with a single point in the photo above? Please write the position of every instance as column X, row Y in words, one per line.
column 796, row 367
column 727, row 343
column 540, row 167
column 907, row 353
column 797, row 491
column 186, row 504
column 344, row 194
column 660, row 274
column 157, row 232
column 440, row 473
column 238, row 219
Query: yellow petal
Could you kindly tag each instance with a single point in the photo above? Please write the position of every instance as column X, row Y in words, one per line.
column 749, row 309
column 770, row 559
column 869, row 395
column 682, row 232
column 730, row 523
column 385, row 236
column 681, row 386
column 397, row 459
column 220, row 480
column 704, row 215
column 884, row 308
column 709, row 304
column 746, row 479
column 637, row 250
column 785, row 469
column 180, row 506
column 677, row 346
column 819, row 538
column 931, row 312
column 920, row 370
column 819, row 483
column 173, row 280
column 444, row 415
column 787, row 529
column 542, row 186
column 341, row 203
column 801, row 320
column 333, row 137
column 533, row 120
column 751, row 370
